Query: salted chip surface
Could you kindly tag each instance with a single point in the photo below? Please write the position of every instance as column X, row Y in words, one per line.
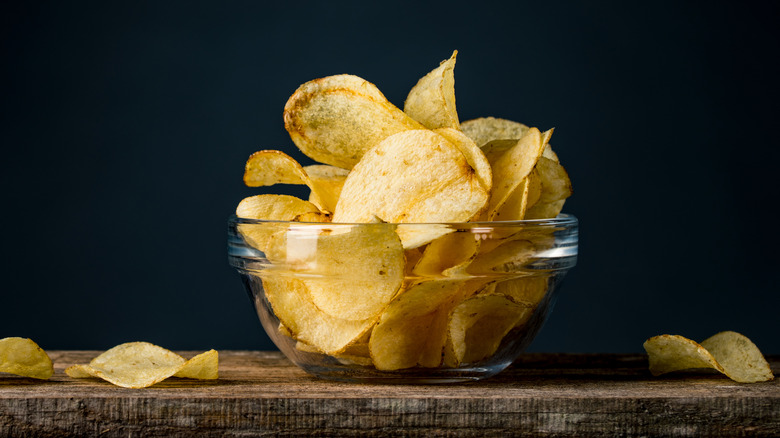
column 23, row 357
column 336, row 119
column 141, row 364
column 432, row 100
column 728, row 352
column 415, row 176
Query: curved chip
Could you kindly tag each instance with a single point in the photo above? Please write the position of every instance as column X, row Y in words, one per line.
column 447, row 252
column 23, row 357
column 335, row 119
column 270, row 238
column 432, row 100
column 730, row 353
column 478, row 325
column 269, row 167
column 514, row 165
column 414, row 176
column 141, row 364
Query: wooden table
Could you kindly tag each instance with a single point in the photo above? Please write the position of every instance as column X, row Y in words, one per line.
column 262, row 394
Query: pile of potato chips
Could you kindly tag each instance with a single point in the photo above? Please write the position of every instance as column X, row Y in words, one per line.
column 402, row 289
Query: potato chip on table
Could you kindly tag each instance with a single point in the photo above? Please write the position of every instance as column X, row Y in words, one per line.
column 141, row 364
column 23, row 357
column 730, row 353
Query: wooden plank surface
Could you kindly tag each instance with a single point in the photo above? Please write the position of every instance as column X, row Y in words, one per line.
column 262, row 394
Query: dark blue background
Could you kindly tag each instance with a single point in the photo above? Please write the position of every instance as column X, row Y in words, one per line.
column 125, row 127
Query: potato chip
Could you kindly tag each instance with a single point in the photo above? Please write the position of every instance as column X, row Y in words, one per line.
column 291, row 303
column 269, row 167
column 512, row 167
column 446, row 252
column 204, row 366
column 270, row 238
column 329, row 180
column 414, row 176
column 478, row 325
column 353, row 274
column 486, row 129
column 412, row 330
column 730, row 353
column 527, row 290
column 432, row 100
column 336, row 119
column 23, row 357
column 141, row 364
column 740, row 358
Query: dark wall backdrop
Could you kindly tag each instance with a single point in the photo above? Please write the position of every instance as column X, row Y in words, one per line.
column 125, row 127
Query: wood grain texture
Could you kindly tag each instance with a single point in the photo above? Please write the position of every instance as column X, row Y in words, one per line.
column 262, row 394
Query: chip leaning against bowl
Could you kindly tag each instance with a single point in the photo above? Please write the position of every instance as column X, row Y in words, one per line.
column 405, row 289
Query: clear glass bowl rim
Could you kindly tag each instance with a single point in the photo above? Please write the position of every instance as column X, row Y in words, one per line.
column 563, row 220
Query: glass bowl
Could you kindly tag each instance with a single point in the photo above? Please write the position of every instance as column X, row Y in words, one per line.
column 403, row 303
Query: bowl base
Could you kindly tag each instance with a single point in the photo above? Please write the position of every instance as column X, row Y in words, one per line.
column 418, row 376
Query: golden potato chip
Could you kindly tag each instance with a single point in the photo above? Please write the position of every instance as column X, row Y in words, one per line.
column 23, row 357
column 204, row 366
column 446, row 252
column 291, row 303
column 335, row 119
column 269, row 167
column 555, row 182
column 355, row 272
column 141, row 364
column 432, row 100
column 412, row 330
column 740, row 358
column 270, row 238
column 414, row 176
column 417, row 235
column 514, row 165
column 727, row 352
column 486, row 129
column 329, row 180
column 478, row 325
